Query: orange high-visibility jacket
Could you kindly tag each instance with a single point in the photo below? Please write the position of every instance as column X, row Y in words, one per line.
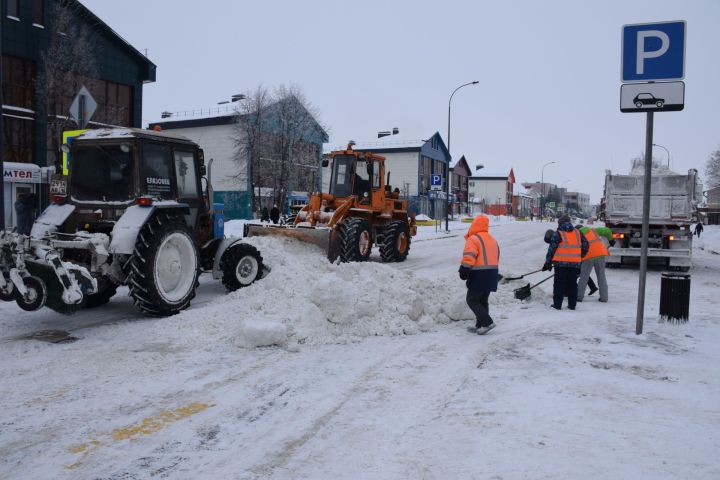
column 597, row 247
column 570, row 248
column 481, row 250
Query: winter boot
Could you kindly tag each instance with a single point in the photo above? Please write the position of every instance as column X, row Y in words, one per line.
column 484, row 330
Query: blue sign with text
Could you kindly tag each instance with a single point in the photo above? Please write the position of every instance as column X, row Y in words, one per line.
column 653, row 51
column 435, row 180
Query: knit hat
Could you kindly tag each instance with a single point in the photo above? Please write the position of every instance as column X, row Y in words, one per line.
column 564, row 218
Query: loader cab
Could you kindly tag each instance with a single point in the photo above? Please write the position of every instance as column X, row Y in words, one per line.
column 356, row 174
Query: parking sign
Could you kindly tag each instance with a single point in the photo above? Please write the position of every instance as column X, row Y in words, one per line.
column 436, row 182
column 653, row 51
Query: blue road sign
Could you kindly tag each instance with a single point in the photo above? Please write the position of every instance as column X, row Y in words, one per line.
column 436, row 180
column 653, row 51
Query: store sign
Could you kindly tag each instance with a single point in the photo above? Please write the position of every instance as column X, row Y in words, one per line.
column 20, row 175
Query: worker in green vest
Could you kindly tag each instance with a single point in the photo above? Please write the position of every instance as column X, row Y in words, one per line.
column 599, row 238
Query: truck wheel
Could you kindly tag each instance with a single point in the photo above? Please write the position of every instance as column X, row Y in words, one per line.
column 106, row 291
column 355, row 240
column 396, row 242
column 35, row 297
column 241, row 265
column 164, row 268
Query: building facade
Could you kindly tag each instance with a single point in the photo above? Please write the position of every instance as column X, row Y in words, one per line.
column 32, row 123
column 459, row 177
column 411, row 164
column 492, row 193
column 219, row 137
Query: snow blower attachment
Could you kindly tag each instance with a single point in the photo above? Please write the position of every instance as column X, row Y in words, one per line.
column 133, row 211
column 525, row 291
column 360, row 210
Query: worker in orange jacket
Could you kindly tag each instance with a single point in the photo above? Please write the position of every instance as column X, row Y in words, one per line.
column 479, row 268
column 565, row 252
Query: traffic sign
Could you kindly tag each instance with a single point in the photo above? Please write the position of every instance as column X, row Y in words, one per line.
column 83, row 107
column 653, row 51
column 652, row 97
column 436, row 182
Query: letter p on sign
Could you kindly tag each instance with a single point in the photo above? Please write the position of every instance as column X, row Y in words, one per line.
column 653, row 51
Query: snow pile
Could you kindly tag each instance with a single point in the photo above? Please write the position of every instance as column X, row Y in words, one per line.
column 308, row 300
column 262, row 333
column 422, row 217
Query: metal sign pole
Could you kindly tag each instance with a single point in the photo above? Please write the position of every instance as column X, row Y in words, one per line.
column 645, row 224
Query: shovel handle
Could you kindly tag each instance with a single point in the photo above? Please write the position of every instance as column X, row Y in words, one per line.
column 542, row 281
column 523, row 275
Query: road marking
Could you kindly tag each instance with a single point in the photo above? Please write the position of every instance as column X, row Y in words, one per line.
column 146, row 426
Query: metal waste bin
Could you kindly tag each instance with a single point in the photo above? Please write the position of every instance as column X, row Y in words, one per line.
column 675, row 297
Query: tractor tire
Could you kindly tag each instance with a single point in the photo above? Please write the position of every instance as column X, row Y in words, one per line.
column 106, row 291
column 396, row 242
column 164, row 268
column 36, row 294
column 8, row 296
column 241, row 265
column 354, row 239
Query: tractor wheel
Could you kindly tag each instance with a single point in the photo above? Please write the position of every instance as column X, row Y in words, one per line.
column 241, row 265
column 355, row 240
column 106, row 291
column 35, row 297
column 396, row 242
column 164, row 268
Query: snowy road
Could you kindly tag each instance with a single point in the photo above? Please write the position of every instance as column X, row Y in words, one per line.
column 546, row 395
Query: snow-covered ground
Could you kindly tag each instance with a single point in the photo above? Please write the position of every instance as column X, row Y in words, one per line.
column 373, row 378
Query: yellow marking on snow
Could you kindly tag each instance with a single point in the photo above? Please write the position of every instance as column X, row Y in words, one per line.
column 146, row 426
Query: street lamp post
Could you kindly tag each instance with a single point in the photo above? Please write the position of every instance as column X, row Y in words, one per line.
column 542, row 190
column 448, row 189
column 666, row 151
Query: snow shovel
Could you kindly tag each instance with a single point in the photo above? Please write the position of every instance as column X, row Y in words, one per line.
column 524, row 292
column 507, row 279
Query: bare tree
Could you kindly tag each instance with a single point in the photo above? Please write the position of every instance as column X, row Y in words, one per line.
column 712, row 169
column 68, row 63
column 278, row 137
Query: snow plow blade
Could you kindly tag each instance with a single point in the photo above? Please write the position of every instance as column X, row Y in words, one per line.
column 314, row 235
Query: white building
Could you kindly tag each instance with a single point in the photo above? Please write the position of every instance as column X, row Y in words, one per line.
column 492, row 193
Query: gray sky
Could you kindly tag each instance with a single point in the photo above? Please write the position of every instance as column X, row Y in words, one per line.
column 549, row 73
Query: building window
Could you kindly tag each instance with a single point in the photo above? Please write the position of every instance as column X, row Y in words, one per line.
column 18, row 139
column 17, row 82
column 13, row 8
column 38, row 12
column 114, row 103
column 425, row 172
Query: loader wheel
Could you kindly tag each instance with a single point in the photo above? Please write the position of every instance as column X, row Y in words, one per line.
column 355, row 240
column 164, row 267
column 241, row 265
column 35, row 297
column 396, row 242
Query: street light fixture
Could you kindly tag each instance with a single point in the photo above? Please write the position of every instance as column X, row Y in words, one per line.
column 666, row 151
column 447, row 201
column 542, row 188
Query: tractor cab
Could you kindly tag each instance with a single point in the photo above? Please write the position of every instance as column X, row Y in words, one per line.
column 113, row 169
column 359, row 174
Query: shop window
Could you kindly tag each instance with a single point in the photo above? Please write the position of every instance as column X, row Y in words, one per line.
column 18, row 139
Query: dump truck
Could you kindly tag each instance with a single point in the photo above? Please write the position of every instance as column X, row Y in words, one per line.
column 135, row 210
column 360, row 210
column 674, row 200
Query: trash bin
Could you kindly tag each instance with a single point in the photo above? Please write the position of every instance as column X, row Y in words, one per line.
column 219, row 222
column 675, row 297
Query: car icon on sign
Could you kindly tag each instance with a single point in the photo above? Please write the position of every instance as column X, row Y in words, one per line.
column 648, row 99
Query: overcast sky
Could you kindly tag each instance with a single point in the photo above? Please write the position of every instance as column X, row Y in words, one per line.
column 549, row 73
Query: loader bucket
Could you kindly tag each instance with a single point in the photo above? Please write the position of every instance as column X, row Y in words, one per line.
column 316, row 236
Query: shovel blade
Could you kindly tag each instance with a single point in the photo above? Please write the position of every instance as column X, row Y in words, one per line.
column 523, row 292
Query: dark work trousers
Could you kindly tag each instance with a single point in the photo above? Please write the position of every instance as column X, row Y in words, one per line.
column 478, row 303
column 565, row 284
